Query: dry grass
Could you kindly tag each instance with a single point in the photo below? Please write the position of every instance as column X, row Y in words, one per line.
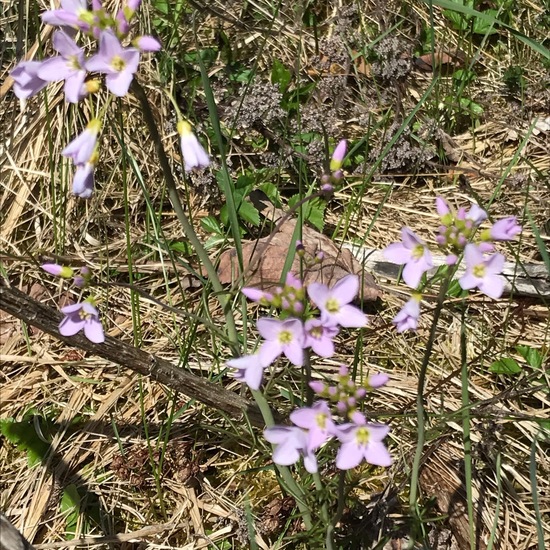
column 211, row 469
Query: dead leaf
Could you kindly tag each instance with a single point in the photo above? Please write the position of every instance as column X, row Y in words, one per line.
column 440, row 59
column 264, row 261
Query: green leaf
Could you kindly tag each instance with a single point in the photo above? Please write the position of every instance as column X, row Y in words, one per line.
column 249, row 214
column 272, row 192
column 280, row 75
column 313, row 211
column 211, row 224
column 70, row 505
column 23, row 435
column 506, row 366
column 532, row 356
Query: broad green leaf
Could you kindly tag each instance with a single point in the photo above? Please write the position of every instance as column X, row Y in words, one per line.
column 506, row 365
column 249, row 214
column 23, row 435
column 211, row 224
column 280, row 75
column 532, row 356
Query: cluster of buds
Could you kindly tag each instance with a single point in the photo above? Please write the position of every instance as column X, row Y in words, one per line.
column 81, row 315
column 456, row 235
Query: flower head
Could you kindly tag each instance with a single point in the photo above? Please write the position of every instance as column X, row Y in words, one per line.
column 290, row 443
column 505, row 229
column 73, row 13
column 413, row 253
column 317, row 420
column 193, row 153
column 338, row 156
column 118, row 63
column 482, row 272
column 407, row 318
column 82, row 148
column 362, row 440
column 83, row 180
column 80, row 316
column 26, row 78
column 319, row 337
column 69, row 66
column 285, row 337
column 249, row 369
column 334, row 303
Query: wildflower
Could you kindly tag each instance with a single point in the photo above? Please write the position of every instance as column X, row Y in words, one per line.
column 193, row 153
column 83, row 180
column 27, row 81
column 118, row 63
column 290, row 442
column 249, row 369
column 377, row 380
column 69, row 66
column 319, row 336
column 413, row 253
column 338, row 156
column 80, row 316
column 57, row 270
column 317, row 420
column 362, row 440
column 482, row 272
column 334, row 302
column 82, row 148
column 147, row 44
column 73, row 13
column 281, row 337
column 407, row 318
column 476, row 215
column 505, row 229
column 257, row 295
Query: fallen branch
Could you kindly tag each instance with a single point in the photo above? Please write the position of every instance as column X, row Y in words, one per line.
column 34, row 313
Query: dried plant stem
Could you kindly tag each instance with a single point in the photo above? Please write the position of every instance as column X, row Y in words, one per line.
column 182, row 217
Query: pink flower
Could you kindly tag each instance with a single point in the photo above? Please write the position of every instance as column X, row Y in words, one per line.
column 482, row 272
column 361, row 440
column 317, row 420
column 285, row 337
column 83, row 180
column 69, row 66
column 82, row 316
column 334, row 303
column 505, row 229
column 413, row 253
column 118, row 63
column 193, row 153
column 81, row 148
column 407, row 318
column 319, row 337
column 290, row 442
column 73, row 13
column 338, row 156
column 57, row 270
column 377, row 380
column 27, row 82
column 248, row 369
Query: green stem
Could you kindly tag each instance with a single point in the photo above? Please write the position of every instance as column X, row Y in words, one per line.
column 420, row 411
column 182, row 217
column 466, row 426
column 329, row 540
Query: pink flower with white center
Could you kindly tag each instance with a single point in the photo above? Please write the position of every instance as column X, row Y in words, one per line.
column 413, row 253
column 82, row 316
column 118, row 63
column 505, row 229
column 317, row 420
column 69, row 66
column 193, row 153
column 483, row 273
column 285, row 337
column 407, row 318
column 334, row 303
column 26, row 80
column 249, row 369
column 290, row 443
column 319, row 337
column 362, row 440
column 82, row 148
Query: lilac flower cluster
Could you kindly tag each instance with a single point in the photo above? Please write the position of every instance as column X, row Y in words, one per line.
column 116, row 61
column 292, row 337
column 82, row 315
column 455, row 236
